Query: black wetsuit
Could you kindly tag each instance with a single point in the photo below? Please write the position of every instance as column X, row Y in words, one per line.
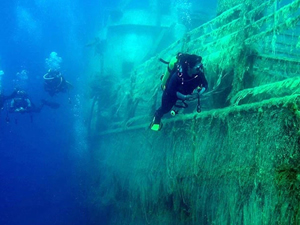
column 183, row 84
column 55, row 85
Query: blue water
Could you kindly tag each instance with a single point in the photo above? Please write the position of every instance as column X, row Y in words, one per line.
column 43, row 160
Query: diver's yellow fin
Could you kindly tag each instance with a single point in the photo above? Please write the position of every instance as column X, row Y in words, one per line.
column 156, row 125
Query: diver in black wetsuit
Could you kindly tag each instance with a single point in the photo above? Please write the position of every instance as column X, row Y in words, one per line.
column 21, row 103
column 54, row 82
column 186, row 76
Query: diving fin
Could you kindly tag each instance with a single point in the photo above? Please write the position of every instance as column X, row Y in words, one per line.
column 52, row 105
column 156, row 125
column 69, row 85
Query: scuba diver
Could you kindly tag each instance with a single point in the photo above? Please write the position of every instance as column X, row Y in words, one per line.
column 21, row 103
column 54, row 82
column 184, row 80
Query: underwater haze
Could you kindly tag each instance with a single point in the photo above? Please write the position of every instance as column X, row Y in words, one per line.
column 43, row 162
column 48, row 171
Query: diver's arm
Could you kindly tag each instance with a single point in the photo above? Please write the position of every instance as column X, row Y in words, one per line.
column 201, row 90
column 185, row 97
column 180, row 96
column 204, row 83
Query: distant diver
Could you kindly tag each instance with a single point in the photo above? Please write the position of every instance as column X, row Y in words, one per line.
column 21, row 103
column 55, row 83
column 184, row 80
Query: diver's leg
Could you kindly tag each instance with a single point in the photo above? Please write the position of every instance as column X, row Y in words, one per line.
column 35, row 109
column 168, row 101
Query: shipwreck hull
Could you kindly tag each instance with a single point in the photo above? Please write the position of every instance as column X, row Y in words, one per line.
column 238, row 165
column 237, row 162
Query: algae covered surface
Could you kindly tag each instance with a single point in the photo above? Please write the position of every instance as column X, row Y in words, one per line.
column 236, row 162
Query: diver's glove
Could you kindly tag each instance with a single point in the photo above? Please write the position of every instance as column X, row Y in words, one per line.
column 191, row 97
column 185, row 97
column 180, row 96
column 201, row 90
